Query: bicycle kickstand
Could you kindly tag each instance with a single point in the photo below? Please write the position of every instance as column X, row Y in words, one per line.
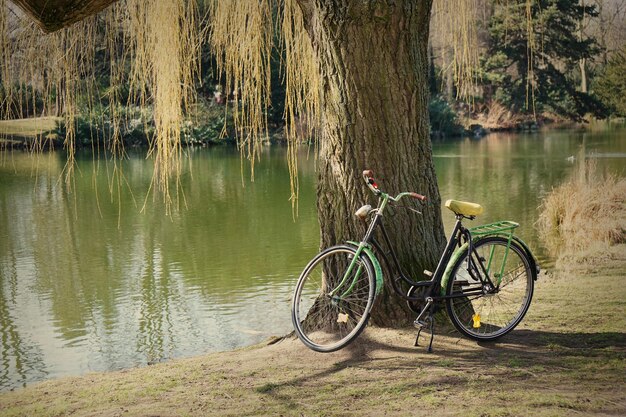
column 432, row 334
column 417, row 338
column 420, row 324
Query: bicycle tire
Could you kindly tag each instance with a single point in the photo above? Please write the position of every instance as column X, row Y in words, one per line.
column 326, row 322
column 491, row 315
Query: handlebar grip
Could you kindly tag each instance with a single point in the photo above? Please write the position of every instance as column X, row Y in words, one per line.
column 418, row 196
column 368, row 176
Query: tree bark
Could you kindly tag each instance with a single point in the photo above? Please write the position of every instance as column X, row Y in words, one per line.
column 374, row 65
column 52, row 15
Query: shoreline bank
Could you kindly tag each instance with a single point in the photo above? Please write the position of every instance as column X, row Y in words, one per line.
column 28, row 134
column 561, row 359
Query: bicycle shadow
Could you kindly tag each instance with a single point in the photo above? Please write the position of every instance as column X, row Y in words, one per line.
column 529, row 347
column 571, row 340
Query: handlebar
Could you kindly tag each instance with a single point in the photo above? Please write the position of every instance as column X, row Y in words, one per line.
column 368, row 176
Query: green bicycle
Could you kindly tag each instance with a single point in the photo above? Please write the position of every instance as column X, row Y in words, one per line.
column 485, row 278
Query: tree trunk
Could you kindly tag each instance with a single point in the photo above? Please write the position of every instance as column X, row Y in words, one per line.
column 374, row 65
column 583, row 74
column 582, row 62
column 52, row 15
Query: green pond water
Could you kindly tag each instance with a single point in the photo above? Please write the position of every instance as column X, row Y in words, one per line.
column 90, row 282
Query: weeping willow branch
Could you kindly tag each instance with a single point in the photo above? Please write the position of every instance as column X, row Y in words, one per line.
column 164, row 35
column 246, row 69
column 241, row 37
column 160, row 38
column 51, row 64
column 530, row 52
column 455, row 25
column 303, row 89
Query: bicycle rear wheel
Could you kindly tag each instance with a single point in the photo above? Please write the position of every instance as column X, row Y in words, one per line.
column 328, row 311
column 493, row 312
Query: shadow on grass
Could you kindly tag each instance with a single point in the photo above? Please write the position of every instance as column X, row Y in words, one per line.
column 573, row 340
column 518, row 349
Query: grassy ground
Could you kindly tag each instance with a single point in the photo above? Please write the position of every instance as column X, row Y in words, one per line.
column 27, row 127
column 568, row 357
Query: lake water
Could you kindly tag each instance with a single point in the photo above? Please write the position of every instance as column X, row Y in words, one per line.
column 88, row 282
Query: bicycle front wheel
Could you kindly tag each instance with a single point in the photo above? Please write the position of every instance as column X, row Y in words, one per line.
column 488, row 309
column 333, row 299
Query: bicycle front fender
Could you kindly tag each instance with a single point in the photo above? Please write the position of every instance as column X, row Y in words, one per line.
column 375, row 263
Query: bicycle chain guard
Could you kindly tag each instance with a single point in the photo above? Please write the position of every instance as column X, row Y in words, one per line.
column 416, row 306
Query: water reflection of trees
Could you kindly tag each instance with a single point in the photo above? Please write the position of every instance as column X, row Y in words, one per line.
column 21, row 360
column 127, row 289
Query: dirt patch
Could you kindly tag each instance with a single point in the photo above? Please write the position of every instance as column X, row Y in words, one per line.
column 567, row 357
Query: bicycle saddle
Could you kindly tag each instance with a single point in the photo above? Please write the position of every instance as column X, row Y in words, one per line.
column 464, row 208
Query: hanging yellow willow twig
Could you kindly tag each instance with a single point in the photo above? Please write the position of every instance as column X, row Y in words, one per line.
column 302, row 86
column 115, row 17
column 166, row 45
column 530, row 52
column 4, row 51
column 46, row 64
column 455, row 25
column 241, row 38
column 522, row 13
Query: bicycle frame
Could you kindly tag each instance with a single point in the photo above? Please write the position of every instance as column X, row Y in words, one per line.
column 478, row 270
column 469, row 269
column 459, row 235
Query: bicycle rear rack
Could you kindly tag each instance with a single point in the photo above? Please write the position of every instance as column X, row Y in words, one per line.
column 502, row 227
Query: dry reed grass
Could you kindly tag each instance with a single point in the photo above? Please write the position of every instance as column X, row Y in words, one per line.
column 583, row 221
column 498, row 116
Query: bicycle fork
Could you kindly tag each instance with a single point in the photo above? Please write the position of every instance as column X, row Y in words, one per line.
column 420, row 323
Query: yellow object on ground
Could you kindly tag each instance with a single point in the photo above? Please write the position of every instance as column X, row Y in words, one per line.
column 476, row 318
column 342, row 318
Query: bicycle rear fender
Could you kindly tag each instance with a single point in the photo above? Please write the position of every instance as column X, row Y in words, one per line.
column 534, row 267
column 377, row 268
column 455, row 257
